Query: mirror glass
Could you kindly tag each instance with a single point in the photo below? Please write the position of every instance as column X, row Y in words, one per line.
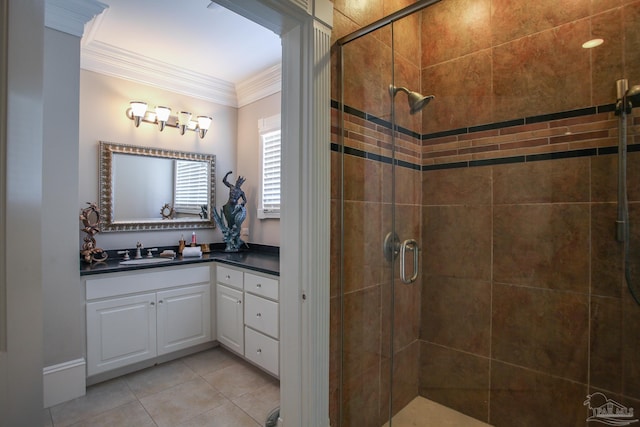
column 149, row 189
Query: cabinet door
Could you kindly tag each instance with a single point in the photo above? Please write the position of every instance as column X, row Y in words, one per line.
column 229, row 318
column 184, row 317
column 120, row 331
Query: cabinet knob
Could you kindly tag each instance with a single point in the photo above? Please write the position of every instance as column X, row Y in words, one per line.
column 258, row 285
column 259, row 351
column 239, row 301
column 258, row 314
column 228, row 277
column 160, row 302
column 152, row 303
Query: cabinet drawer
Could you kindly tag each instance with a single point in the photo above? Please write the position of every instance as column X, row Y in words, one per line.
column 262, row 350
column 229, row 276
column 260, row 285
column 261, row 314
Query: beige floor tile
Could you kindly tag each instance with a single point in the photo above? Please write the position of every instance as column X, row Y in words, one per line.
column 260, row 402
column 182, row 402
column 236, row 380
column 158, row 378
column 99, row 398
column 128, row 415
column 191, row 391
column 225, row 415
column 421, row 412
column 210, row 360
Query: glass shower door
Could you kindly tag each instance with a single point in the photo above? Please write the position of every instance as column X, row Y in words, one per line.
column 378, row 202
column 365, row 206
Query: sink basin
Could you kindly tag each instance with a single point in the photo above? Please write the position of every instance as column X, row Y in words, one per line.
column 145, row 261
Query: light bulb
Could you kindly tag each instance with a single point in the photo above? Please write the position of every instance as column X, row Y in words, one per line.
column 203, row 125
column 162, row 114
column 138, row 108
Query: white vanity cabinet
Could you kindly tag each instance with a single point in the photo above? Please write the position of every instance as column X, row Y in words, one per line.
column 248, row 315
column 135, row 316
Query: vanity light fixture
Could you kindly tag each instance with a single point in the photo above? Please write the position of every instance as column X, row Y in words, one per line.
column 184, row 117
column 203, row 125
column 138, row 110
column 161, row 116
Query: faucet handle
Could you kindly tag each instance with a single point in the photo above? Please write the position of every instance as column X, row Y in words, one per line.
column 126, row 255
column 139, row 245
column 150, row 252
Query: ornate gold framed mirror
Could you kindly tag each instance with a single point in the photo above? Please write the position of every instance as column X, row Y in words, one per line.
column 144, row 188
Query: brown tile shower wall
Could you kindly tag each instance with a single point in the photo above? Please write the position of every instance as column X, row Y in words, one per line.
column 489, row 61
column 522, row 291
column 524, row 306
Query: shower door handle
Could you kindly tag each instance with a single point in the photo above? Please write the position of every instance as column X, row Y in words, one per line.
column 409, row 245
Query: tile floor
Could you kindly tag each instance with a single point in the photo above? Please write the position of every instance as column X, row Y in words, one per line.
column 211, row 388
column 421, row 412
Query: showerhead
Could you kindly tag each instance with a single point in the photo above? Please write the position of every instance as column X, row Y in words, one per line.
column 633, row 96
column 416, row 100
column 627, row 97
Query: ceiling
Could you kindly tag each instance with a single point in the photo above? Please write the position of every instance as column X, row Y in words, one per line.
column 193, row 47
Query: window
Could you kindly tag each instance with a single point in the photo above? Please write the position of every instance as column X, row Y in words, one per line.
column 269, row 131
column 192, row 187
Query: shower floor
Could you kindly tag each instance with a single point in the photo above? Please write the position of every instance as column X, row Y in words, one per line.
column 421, row 412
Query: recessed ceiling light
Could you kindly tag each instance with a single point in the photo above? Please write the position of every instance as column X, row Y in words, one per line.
column 590, row 44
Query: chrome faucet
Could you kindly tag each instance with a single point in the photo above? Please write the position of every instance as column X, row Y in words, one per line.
column 139, row 246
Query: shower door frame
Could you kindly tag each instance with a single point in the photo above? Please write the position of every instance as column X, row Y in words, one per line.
column 393, row 255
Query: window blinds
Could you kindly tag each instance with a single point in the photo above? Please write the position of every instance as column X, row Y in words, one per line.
column 192, row 183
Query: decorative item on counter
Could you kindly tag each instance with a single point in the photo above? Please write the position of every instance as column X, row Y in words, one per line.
column 204, row 214
column 205, row 248
column 90, row 218
column 167, row 253
column 193, row 239
column 167, row 211
column 192, row 252
column 181, row 244
column 234, row 213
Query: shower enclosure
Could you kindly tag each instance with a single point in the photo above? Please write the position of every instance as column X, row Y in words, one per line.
column 476, row 274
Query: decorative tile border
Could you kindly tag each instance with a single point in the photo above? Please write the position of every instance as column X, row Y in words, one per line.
column 577, row 133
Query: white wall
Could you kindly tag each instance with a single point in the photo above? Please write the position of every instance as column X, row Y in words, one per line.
column 62, row 292
column 103, row 102
column 264, row 231
column 21, row 359
column 233, row 138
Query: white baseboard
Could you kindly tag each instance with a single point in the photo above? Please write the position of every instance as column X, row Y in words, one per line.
column 64, row 381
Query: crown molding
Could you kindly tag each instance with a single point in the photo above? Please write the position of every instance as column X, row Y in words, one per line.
column 70, row 16
column 260, row 85
column 112, row 61
column 116, row 62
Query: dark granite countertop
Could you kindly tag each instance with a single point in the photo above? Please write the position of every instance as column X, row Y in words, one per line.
column 261, row 260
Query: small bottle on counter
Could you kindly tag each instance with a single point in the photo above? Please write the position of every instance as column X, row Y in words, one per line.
column 181, row 244
column 193, row 238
